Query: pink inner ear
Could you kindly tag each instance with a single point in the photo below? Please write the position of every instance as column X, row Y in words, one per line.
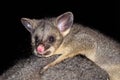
column 61, row 26
column 64, row 21
column 40, row 49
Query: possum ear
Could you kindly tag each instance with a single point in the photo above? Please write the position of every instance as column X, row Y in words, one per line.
column 64, row 23
column 28, row 23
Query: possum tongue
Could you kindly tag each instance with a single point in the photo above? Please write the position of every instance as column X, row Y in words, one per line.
column 40, row 49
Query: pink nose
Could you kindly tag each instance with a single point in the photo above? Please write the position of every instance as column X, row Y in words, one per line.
column 40, row 49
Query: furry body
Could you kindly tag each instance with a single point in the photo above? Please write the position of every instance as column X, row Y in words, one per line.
column 60, row 36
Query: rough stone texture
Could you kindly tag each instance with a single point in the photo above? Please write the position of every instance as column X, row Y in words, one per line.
column 77, row 68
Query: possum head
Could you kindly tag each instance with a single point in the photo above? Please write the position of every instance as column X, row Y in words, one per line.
column 48, row 34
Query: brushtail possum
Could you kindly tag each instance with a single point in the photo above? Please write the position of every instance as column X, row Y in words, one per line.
column 59, row 35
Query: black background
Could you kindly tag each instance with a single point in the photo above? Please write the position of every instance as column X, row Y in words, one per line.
column 15, row 39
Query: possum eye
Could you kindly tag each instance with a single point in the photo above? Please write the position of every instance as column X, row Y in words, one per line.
column 51, row 39
column 36, row 39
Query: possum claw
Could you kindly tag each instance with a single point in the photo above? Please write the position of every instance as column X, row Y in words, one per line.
column 44, row 69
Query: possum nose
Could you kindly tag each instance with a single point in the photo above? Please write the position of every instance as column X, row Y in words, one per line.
column 40, row 49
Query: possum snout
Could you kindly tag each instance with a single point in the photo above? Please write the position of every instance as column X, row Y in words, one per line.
column 40, row 49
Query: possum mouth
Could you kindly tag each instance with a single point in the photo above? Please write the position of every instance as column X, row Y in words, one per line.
column 42, row 50
column 44, row 54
